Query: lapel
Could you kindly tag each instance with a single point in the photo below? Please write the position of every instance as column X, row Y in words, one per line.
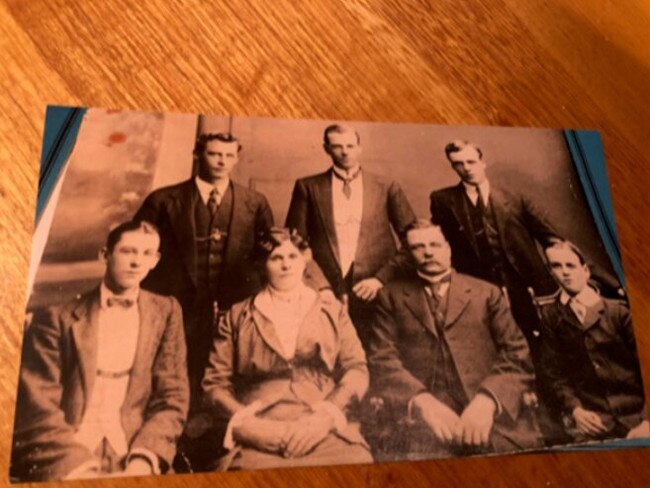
column 322, row 189
column 84, row 331
column 371, row 205
column 317, row 327
column 591, row 320
column 266, row 329
column 239, row 221
column 416, row 301
column 181, row 213
column 147, row 333
column 459, row 209
column 312, row 327
column 567, row 315
column 595, row 317
column 458, row 296
column 500, row 209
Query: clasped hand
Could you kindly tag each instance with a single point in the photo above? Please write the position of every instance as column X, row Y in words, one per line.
column 471, row 428
column 588, row 422
column 291, row 439
column 367, row 289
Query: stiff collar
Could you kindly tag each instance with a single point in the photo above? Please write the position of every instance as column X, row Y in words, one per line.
column 349, row 174
column 268, row 299
column 105, row 294
column 434, row 280
column 206, row 188
column 472, row 190
column 587, row 297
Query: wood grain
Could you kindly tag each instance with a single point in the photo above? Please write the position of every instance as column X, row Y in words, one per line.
column 558, row 63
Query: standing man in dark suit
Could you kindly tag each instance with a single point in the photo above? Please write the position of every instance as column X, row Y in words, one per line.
column 103, row 381
column 348, row 215
column 492, row 233
column 208, row 226
column 448, row 360
column 589, row 360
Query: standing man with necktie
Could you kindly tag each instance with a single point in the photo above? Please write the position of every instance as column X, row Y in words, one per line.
column 208, row 226
column 103, row 381
column 493, row 233
column 349, row 215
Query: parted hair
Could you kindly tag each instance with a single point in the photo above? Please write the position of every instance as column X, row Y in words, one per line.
column 115, row 235
column 203, row 140
column 569, row 246
column 274, row 237
column 338, row 129
column 459, row 145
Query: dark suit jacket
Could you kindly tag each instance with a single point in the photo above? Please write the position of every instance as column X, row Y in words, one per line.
column 57, row 375
column 519, row 222
column 384, row 207
column 487, row 347
column 171, row 209
column 594, row 365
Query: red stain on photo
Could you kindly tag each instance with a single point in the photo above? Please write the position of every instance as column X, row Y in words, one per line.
column 116, row 138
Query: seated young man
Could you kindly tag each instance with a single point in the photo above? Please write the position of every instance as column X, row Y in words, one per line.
column 103, row 384
column 589, row 361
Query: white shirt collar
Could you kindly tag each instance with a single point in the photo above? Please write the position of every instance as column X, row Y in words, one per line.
column 206, row 188
column 105, row 294
column 472, row 191
column 587, row 297
column 442, row 290
column 434, row 279
column 349, row 173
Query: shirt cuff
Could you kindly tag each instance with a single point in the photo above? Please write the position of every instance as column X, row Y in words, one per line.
column 409, row 407
column 487, row 392
column 237, row 419
column 340, row 421
column 141, row 452
column 90, row 465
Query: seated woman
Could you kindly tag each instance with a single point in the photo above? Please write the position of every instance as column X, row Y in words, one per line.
column 285, row 367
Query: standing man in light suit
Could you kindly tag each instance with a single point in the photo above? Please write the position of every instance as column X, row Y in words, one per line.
column 103, row 382
column 348, row 215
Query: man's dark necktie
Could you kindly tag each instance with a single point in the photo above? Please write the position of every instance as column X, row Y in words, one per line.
column 435, row 287
column 119, row 302
column 213, row 202
column 480, row 203
column 347, row 189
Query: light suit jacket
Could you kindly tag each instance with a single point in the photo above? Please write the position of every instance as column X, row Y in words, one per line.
column 56, row 380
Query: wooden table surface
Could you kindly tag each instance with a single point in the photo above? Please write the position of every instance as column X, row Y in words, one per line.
column 556, row 63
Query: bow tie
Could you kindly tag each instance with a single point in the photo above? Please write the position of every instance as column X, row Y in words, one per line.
column 119, row 302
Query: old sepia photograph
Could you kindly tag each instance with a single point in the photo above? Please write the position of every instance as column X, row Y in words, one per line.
column 219, row 293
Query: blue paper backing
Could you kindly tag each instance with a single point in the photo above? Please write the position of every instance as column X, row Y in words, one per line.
column 61, row 128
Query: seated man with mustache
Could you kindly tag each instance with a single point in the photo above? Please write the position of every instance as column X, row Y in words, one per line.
column 448, row 360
